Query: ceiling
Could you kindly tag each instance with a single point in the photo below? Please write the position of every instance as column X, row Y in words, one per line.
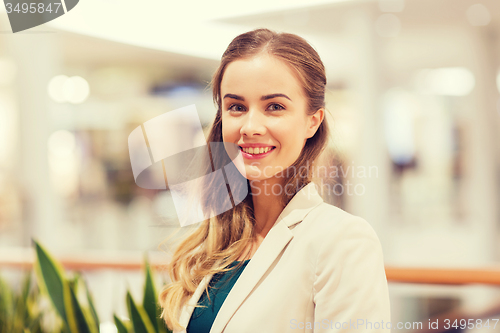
column 187, row 38
column 188, row 48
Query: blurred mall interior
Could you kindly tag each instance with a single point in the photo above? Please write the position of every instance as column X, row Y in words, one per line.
column 413, row 91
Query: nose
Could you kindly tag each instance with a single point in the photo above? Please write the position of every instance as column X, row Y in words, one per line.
column 253, row 123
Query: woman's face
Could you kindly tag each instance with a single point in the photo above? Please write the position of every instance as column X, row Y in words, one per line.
column 264, row 109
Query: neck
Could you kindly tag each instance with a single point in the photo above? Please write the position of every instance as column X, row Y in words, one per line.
column 266, row 197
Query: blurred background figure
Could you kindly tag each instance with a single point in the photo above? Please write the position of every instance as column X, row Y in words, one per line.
column 413, row 93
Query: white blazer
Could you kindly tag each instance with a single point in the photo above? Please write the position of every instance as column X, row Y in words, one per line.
column 319, row 269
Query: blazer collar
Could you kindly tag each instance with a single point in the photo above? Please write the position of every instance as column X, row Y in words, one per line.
column 277, row 238
column 300, row 205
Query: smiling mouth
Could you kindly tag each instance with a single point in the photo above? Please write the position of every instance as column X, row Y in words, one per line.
column 256, row 151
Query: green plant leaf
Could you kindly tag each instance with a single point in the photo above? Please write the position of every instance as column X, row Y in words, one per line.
column 51, row 278
column 52, row 281
column 140, row 320
column 120, row 325
column 6, row 310
column 35, row 325
column 93, row 312
column 149, row 301
column 34, row 313
column 26, row 287
column 84, row 320
column 80, row 280
column 18, row 317
column 162, row 327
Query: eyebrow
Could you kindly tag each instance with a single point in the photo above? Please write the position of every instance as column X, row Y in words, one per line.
column 263, row 98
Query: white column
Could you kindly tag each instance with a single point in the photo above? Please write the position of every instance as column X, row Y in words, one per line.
column 36, row 57
column 484, row 150
column 368, row 84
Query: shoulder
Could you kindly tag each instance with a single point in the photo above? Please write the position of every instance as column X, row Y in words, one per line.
column 328, row 222
column 349, row 276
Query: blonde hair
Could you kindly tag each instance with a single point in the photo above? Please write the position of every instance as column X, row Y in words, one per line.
column 221, row 240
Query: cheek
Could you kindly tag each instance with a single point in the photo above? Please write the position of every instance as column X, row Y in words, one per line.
column 291, row 137
column 228, row 131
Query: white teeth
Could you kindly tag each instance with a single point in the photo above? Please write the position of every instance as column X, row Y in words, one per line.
column 256, row 151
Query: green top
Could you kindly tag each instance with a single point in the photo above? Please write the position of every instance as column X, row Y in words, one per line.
column 219, row 287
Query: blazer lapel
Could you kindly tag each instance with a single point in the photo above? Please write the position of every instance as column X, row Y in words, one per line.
column 275, row 241
column 270, row 248
column 188, row 307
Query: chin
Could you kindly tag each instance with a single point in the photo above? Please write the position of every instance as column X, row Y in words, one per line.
column 254, row 177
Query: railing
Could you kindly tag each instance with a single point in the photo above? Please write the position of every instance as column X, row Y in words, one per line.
column 90, row 260
column 134, row 261
column 443, row 276
column 24, row 259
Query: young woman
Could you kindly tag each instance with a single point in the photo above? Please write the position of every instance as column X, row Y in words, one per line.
column 282, row 260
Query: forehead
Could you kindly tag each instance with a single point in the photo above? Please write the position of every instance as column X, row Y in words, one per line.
column 260, row 75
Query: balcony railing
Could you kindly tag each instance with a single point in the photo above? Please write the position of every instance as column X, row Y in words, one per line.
column 23, row 259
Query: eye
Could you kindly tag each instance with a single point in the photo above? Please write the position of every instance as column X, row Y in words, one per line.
column 236, row 108
column 276, row 107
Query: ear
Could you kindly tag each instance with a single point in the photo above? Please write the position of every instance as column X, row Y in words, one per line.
column 313, row 122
